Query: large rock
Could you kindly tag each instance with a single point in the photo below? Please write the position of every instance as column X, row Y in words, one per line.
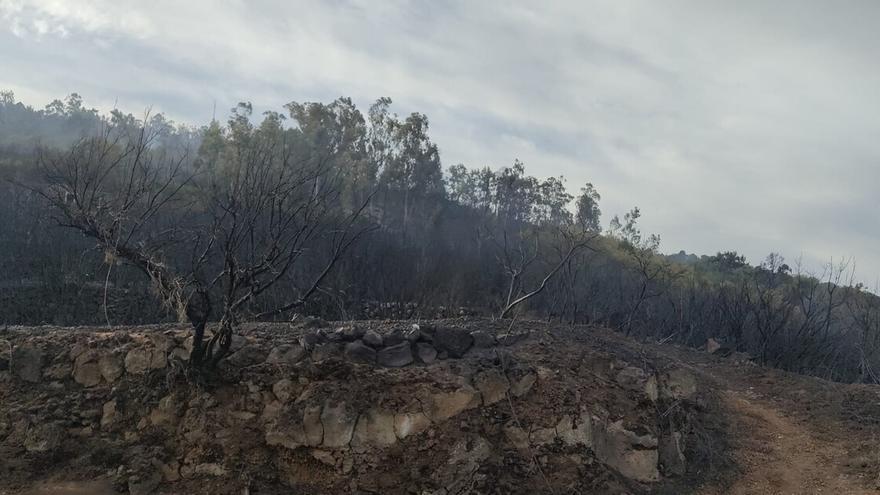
column 108, row 413
column 575, row 434
column 338, row 424
column 27, row 363
column 492, row 385
column 426, row 352
column 111, row 366
column 407, row 424
column 246, row 356
column 374, row 428
column 313, row 428
column 483, row 339
column 373, row 339
column 465, row 459
column 677, row 384
column 453, row 341
column 445, row 405
column 286, row 354
column 87, row 369
column 396, row 355
column 359, row 352
column 633, row 456
column 44, row 437
column 142, row 359
column 636, row 380
column 323, row 352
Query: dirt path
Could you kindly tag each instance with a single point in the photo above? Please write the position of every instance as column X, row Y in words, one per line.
column 778, row 456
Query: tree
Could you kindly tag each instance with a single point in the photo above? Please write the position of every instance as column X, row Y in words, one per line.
column 587, row 211
column 210, row 241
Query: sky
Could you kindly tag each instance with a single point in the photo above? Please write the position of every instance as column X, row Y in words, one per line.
column 750, row 125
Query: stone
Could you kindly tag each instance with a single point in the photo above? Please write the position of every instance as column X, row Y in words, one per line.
column 313, row 428
column 517, row 437
column 395, row 356
column 286, row 354
column 323, row 352
column 512, row 338
column 571, row 434
column 635, row 379
column 108, row 414
column 633, row 456
column 426, row 352
column 677, row 384
column 445, row 405
column 454, row 341
column 352, row 332
column 246, row 356
column 671, row 454
column 465, row 459
column 338, row 424
column 324, row 457
column 359, row 352
column 27, row 363
column 166, row 412
column 284, row 389
column 712, row 345
column 522, row 386
column 310, row 339
column 140, row 360
column 542, row 436
column 492, row 385
column 210, row 469
column 43, row 438
column 394, row 338
column 87, row 374
column 483, row 339
column 374, row 428
column 373, row 339
column 144, row 484
column 111, row 367
column 407, row 424
column 170, row 471
column 413, row 334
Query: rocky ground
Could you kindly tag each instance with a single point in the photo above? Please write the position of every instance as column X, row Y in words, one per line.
column 449, row 406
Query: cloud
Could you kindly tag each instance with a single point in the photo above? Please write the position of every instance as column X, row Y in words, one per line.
column 748, row 126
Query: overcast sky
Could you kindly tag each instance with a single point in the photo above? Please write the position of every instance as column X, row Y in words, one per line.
column 747, row 125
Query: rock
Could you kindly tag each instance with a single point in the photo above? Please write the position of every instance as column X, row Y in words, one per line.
column 712, row 346
column 454, row 341
column 571, row 434
column 323, row 352
column 43, row 437
column 170, row 472
column 636, row 380
column 465, row 459
column 523, row 385
column 312, row 322
column 313, row 428
column 166, row 412
column 86, row 371
column 286, row 354
column 633, row 456
column 671, row 455
column 142, row 359
column 324, row 457
column 407, row 424
column 108, row 415
column 483, row 339
column 284, row 389
column 374, row 428
column 394, row 338
column 445, row 405
column 27, row 363
column 677, row 384
column 426, row 352
column 413, row 334
column 359, row 352
column 492, row 386
column 310, row 339
column 338, row 424
column 352, row 332
column 395, row 356
column 111, row 367
column 210, row 469
column 246, row 356
column 542, row 436
column 144, row 484
column 517, row 437
column 373, row 339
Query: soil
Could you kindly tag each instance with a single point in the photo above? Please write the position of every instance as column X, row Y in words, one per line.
column 752, row 430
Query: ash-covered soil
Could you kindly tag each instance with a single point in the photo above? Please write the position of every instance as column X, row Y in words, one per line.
column 455, row 406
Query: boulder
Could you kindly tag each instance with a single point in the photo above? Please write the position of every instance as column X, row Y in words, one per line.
column 575, row 434
column 426, row 352
column 143, row 359
column 111, row 366
column 395, row 337
column 44, row 437
column 86, row 369
column 359, row 352
column 483, row 339
column 407, row 424
column 246, row 356
column 396, row 355
column 492, row 385
column 284, row 389
column 542, row 436
column 374, row 428
column 635, row 379
column 454, row 341
column 338, row 423
column 286, row 354
column 27, row 363
column 633, row 456
column 323, row 352
column 108, row 413
column 313, row 429
column 352, row 332
column 677, row 384
column 373, row 339
column 522, row 386
column 310, row 339
column 445, row 405
column 465, row 459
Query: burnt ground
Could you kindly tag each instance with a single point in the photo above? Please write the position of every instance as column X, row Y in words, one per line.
column 750, row 430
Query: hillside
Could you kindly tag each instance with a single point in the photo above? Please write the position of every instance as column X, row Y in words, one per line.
column 458, row 406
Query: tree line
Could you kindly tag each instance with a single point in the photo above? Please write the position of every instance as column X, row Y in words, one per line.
column 324, row 209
